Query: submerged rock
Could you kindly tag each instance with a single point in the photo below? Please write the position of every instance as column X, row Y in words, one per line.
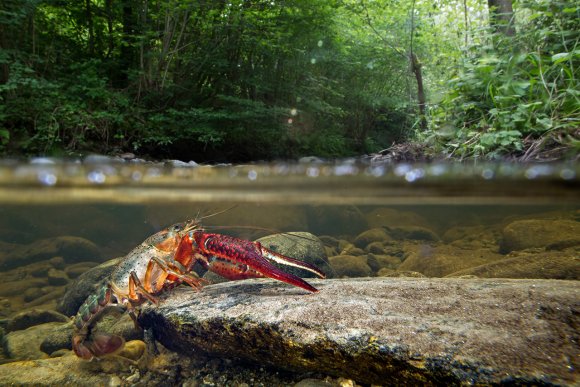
column 525, row 234
column 25, row 344
column 373, row 235
column 350, row 266
column 439, row 261
column 384, row 331
column 72, row 249
column 33, row 317
column 530, row 264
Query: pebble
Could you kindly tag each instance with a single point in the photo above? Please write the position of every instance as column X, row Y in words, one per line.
column 133, row 350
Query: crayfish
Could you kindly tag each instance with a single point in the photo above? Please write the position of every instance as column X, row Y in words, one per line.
column 165, row 260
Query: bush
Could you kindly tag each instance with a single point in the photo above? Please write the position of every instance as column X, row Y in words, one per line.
column 514, row 91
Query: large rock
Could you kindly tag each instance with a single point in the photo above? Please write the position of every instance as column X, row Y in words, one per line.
column 350, row 266
column 439, row 261
column 25, row 344
column 529, row 264
column 384, row 331
column 525, row 234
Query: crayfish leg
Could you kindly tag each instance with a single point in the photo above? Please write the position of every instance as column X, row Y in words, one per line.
column 135, row 285
column 178, row 271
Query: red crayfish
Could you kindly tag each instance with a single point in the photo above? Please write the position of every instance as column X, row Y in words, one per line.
column 165, row 260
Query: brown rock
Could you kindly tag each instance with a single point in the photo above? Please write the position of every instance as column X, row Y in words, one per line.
column 378, row 262
column 25, row 344
column 412, row 233
column 529, row 264
column 350, row 266
column 133, row 349
column 378, row 234
column 336, row 221
column 525, row 234
column 472, row 237
column 375, row 248
column 52, row 295
column 442, row 260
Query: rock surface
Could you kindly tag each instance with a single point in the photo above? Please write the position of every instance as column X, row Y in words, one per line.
column 529, row 264
column 385, row 331
column 25, row 344
column 439, row 261
column 525, row 234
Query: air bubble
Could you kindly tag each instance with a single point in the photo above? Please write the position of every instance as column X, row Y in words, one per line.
column 96, row 177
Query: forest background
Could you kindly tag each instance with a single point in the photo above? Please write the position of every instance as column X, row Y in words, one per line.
column 243, row 80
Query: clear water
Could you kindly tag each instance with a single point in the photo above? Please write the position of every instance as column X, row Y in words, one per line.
column 426, row 213
column 117, row 205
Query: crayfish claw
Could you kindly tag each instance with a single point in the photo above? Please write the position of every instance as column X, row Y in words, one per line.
column 99, row 345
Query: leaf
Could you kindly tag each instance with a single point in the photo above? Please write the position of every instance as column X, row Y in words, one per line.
column 561, row 57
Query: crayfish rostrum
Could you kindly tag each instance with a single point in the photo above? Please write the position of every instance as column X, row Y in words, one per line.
column 165, row 260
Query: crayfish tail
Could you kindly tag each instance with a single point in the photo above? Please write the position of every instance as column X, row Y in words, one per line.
column 99, row 345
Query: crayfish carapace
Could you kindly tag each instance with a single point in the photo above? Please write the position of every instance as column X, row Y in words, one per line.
column 165, row 260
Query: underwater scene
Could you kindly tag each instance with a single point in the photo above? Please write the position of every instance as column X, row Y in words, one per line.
column 309, row 274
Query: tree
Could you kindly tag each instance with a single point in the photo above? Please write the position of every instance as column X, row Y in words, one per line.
column 501, row 15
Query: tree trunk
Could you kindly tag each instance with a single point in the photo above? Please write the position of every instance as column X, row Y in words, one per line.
column 127, row 59
column 110, row 19
column 422, row 102
column 89, row 12
column 501, row 15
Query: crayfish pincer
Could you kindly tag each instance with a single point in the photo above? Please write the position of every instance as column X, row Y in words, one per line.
column 165, row 260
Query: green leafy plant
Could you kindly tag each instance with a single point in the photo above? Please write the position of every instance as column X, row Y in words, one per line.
column 519, row 90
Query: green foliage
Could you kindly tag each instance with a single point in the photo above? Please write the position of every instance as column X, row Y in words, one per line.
column 515, row 89
column 246, row 80
column 230, row 81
